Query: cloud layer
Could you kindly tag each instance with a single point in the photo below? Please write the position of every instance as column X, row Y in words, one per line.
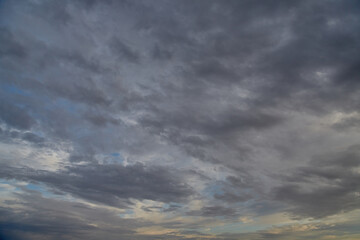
column 179, row 120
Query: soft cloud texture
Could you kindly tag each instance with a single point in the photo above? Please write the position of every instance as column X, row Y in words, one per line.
column 179, row 120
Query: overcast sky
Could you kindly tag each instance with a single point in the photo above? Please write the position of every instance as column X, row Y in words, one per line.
column 161, row 120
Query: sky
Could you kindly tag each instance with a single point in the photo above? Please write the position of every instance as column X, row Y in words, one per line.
column 179, row 120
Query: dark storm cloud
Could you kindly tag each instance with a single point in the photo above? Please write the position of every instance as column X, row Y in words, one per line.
column 77, row 59
column 195, row 132
column 205, row 67
column 58, row 219
column 214, row 211
column 15, row 226
column 11, row 135
column 100, row 119
column 110, row 184
column 15, row 116
column 347, row 124
column 239, row 189
column 328, row 186
column 276, row 75
column 31, row 137
column 89, row 94
column 235, row 84
column 307, row 48
column 123, row 51
column 232, row 197
column 9, row 46
column 159, row 53
column 320, row 42
column 224, row 123
column 349, row 76
column 213, row 69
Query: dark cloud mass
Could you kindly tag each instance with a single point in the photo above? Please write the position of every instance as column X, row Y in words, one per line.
column 109, row 183
column 328, row 186
column 179, row 119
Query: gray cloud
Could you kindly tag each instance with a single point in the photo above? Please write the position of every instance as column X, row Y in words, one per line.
column 232, row 197
column 327, row 187
column 15, row 116
column 214, row 211
column 9, row 136
column 58, row 219
column 347, row 124
column 237, row 96
column 9, row 46
column 110, row 184
column 160, row 53
column 123, row 51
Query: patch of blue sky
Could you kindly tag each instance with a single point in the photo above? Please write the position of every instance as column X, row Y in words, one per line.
column 37, row 187
column 12, row 182
column 4, row 182
column 127, row 213
column 12, row 89
column 171, row 205
column 39, row 133
column 166, row 205
column 213, row 189
column 3, row 21
column 44, row 191
column 66, row 105
column 116, row 157
column 11, row 186
column 20, row 185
